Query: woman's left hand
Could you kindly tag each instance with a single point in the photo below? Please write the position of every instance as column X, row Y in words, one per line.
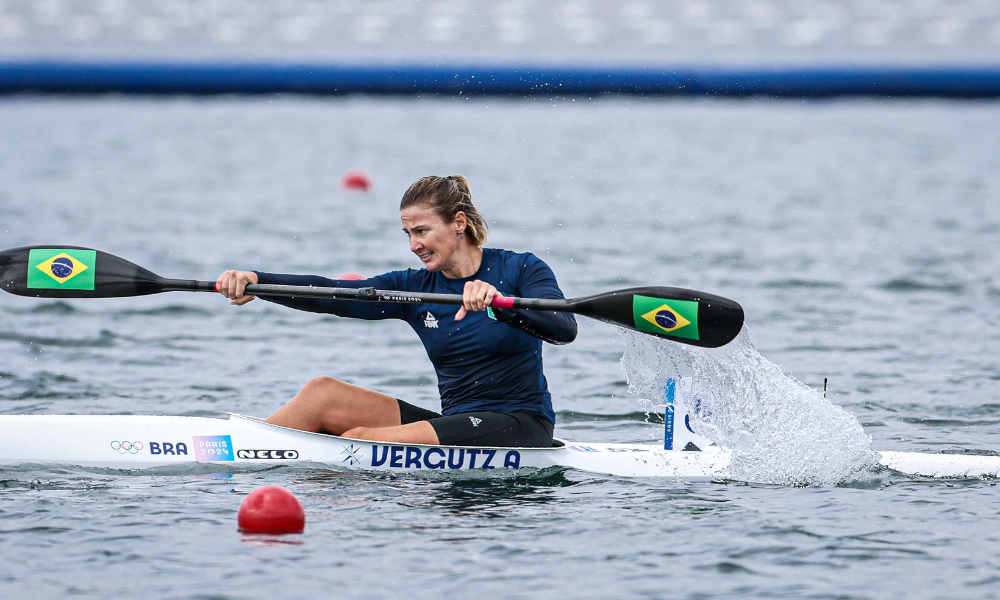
column 476, row 296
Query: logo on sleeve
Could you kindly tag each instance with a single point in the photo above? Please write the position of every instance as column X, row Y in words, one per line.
column 430, row 322
column 475, row 421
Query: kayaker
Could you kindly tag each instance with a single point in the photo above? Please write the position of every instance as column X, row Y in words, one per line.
column 488, row 363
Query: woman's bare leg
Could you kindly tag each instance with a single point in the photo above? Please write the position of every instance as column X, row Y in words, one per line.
column 420, row 432
column 334, row 406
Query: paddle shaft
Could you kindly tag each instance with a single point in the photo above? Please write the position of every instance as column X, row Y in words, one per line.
column 369, row 294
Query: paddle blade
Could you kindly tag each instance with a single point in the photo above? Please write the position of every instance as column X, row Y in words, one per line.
column 684, row 316
column 73, row 272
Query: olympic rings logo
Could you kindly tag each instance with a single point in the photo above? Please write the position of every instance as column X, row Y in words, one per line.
column 126, row 447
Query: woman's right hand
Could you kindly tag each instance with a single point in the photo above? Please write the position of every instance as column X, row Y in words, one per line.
column 232, row 283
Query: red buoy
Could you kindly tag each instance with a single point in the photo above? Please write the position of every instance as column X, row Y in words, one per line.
column 356, row 181
column 351, row 276
column 271, row 509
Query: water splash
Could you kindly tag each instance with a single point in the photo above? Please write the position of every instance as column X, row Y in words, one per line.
column 780, row 430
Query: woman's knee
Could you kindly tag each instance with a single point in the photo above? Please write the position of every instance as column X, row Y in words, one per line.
column 320, row 394
column 323, row 382
column 319, row 387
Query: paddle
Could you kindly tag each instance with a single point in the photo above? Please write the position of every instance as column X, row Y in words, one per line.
column 680, row 315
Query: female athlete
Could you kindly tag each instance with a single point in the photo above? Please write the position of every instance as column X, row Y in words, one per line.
column 488, row 363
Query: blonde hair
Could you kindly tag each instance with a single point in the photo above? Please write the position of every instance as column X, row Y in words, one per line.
column 447, row 196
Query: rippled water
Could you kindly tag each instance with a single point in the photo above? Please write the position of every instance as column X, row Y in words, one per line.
column 861, row 237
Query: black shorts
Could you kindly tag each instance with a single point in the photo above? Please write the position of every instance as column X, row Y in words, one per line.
column 490, row 429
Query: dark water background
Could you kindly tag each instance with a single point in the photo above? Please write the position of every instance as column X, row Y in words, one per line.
column 860, row 236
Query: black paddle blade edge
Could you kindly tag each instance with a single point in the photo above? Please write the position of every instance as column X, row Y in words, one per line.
column 679, row 315
column 73, row 272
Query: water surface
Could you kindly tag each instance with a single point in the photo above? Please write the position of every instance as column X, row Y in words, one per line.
column 861, row 237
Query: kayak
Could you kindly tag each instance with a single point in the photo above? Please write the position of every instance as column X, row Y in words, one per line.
column 239, row 442
column 140, row 442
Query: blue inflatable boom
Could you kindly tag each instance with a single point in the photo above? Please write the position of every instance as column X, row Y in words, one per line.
column 968, row 81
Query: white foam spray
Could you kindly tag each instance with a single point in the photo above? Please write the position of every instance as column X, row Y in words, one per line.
column 780, row 430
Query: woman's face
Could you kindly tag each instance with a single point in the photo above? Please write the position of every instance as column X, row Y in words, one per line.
column 432, row 239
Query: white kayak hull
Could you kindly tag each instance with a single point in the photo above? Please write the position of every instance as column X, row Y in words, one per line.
column 142, row 442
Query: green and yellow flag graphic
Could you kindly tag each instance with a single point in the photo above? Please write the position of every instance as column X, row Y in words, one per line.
column 677, row 318
column 61, row 269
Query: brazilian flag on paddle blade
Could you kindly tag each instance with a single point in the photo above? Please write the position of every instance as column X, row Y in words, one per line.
column 675, row 318
column 61, row 269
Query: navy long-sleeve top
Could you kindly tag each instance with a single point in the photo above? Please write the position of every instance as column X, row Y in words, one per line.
column 485, row 362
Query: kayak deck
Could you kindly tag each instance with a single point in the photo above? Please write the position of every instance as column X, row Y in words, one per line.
column 139, row 442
